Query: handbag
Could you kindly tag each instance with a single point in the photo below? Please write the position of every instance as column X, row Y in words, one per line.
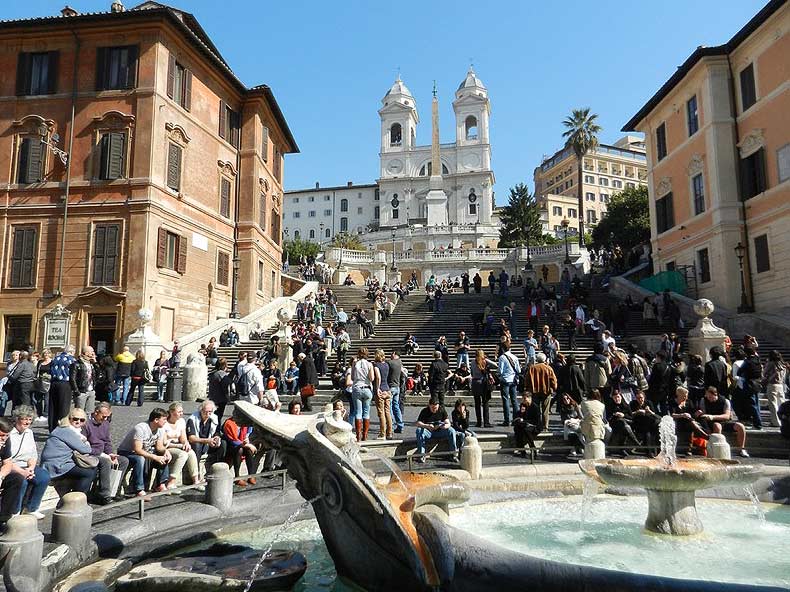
column 147, row 376
column 85, row 461
column 307, row 390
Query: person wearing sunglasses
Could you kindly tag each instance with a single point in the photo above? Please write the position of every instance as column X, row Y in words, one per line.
column 57, row 457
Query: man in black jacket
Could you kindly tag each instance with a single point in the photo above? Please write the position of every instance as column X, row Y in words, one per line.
column 308, row 380
column 716, row 372
column 658, row 384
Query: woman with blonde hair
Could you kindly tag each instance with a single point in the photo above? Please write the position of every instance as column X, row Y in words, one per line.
column 181, row 452
column 383, row 395
column 362, row 376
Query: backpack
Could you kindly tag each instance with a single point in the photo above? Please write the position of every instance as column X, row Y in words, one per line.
column 242, row 385
column 101, row 375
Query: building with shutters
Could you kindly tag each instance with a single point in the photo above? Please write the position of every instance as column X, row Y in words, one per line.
column 140, row 173
column 718, row 165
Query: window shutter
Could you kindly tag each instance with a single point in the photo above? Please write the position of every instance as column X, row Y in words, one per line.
column 131, row 66
column 99, row 244
column 32, row 155
column 187, row 89
column 23, row 74
column 224, row 197
column 52, row 72
column 111, row 254
column 171, row 74
column 116, row 152
column 161, row 247
column 222, row 268
column 759, row 165
column 28, row 257
column 174, row 167
column 265, row 145
column 16, row 258
column 181, row 265
column 223, row 124
column 262, row 217
column 235, row 128
column 101, row 69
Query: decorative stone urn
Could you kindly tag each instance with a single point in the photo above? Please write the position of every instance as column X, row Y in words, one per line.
column 705, row 335
column 144, row 337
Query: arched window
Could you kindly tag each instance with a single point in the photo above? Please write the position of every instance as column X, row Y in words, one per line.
column 396, row 134
column 327, row 233
column 445, row 170
column 297, row 234
column 343, row 224
column 344, row 205
column 471, row 127
column 312, row 233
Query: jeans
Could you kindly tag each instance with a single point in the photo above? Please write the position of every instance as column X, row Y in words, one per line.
column 462, row 358
column 509, row 392
column 160, row 391
column 424, row 435
column 140, row 393
column 397, row 416
column 80, row 477
column 36, row 488
column 124, row 384
column 361, row 397
column 137, row 464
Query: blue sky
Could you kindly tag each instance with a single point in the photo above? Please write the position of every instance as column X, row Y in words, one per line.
column 330, row 63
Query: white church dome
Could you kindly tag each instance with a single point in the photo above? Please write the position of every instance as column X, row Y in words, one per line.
column 471, row 82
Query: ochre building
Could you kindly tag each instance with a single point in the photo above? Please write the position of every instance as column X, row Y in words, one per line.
column 170, row 176
column 718, row 148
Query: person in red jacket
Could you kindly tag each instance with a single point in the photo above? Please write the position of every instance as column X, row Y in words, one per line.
column 239, row 448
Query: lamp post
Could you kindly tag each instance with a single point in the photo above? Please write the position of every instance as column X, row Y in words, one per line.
column 740, row 251
column 43, row 132
column 528, row 266
column 565, row 223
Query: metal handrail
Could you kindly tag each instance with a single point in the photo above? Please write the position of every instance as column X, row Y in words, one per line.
column 141, row 500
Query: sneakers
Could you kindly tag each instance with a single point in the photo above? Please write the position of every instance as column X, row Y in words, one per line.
column 241, row 482
column 171, row 483
column 37, row 515
column 160, row 488
column 744, row 453
column 251, row 481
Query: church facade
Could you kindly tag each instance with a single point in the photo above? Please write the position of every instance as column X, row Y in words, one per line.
column 413, row 202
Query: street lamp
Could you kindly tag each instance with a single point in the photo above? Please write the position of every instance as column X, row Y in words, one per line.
column 320, row 234
column 528, row 266
column 565, row 223
column 740, row 252
column 394, row 265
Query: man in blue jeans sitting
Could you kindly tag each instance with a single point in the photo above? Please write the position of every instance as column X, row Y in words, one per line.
column 146, row 443
column 433, row 422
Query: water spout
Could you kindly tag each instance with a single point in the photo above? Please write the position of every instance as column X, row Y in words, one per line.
column 669, row 441
column 589, row 490
column 758, row 507
column 280, row 531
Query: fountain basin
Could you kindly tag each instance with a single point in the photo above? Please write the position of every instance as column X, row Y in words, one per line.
column 671, row 488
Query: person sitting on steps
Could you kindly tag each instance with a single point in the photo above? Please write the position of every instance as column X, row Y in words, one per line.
column 433, row 423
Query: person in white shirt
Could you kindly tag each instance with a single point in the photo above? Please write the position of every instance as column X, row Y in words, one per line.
column 608, row 341
column 175, row 435
column 255, row 386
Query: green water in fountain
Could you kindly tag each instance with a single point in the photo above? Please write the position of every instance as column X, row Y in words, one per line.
column 735, row 547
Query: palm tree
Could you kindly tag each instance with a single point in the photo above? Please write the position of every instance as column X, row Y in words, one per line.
column 581, row 134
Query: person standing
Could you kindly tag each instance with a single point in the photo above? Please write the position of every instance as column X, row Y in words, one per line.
column 219, row 383
column 83, row 379
column 41, row 385
column 161, row 366
column 462, row 350
column 60, row 392
column 140, row 374
column 509, row 370
column 22, row 378
column 774, row 375
column 308, row 380
column 395, row 379
column 542, row 382
column 491, row 282
column 751, row 371
column 477, row 281
column 483, row 382
column 383, row 395
column 362, row 376
column 438, row 373
column 123, row 375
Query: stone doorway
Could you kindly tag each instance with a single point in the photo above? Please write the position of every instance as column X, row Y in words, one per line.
column 101, row 333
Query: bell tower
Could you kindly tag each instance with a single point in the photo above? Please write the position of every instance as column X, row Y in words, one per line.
column 399, row 119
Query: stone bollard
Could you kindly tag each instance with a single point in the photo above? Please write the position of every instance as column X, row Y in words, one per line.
column 21, row 549
column 718, row 447
column 595, row 449
column 472, row 457
column 71, row 522
column 195, row 377
column 219, row 488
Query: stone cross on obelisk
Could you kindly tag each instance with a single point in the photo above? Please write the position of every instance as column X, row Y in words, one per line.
column 436, row 200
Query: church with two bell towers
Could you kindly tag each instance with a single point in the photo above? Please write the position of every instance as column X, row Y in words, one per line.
column 409, row 179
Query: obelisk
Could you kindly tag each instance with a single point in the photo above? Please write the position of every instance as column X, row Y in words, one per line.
column 436, row 199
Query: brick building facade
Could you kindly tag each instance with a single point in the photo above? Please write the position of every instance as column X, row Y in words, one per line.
column 173, row 167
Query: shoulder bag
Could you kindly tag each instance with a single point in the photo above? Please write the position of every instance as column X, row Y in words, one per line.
column 85, row 461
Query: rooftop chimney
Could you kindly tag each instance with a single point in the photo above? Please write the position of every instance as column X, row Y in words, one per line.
column 117, row 6
column 316, row 184
column 68, row 11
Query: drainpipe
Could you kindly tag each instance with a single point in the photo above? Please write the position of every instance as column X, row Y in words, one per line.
column 234, row 291
column 69, row 150
column 747, row 255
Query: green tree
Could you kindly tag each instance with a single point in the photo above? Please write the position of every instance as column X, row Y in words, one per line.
column 295, row 248
column 344, row 240
column 520, row 220
column 627, row 220
column 581, row 134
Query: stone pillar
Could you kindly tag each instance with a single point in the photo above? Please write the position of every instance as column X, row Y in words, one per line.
column 219, row 488
column 21, row 550
column 71, row 522
column 595, row 449
column 718, row 447
column 195, row 378
column 705, row 335
column 472, row 457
